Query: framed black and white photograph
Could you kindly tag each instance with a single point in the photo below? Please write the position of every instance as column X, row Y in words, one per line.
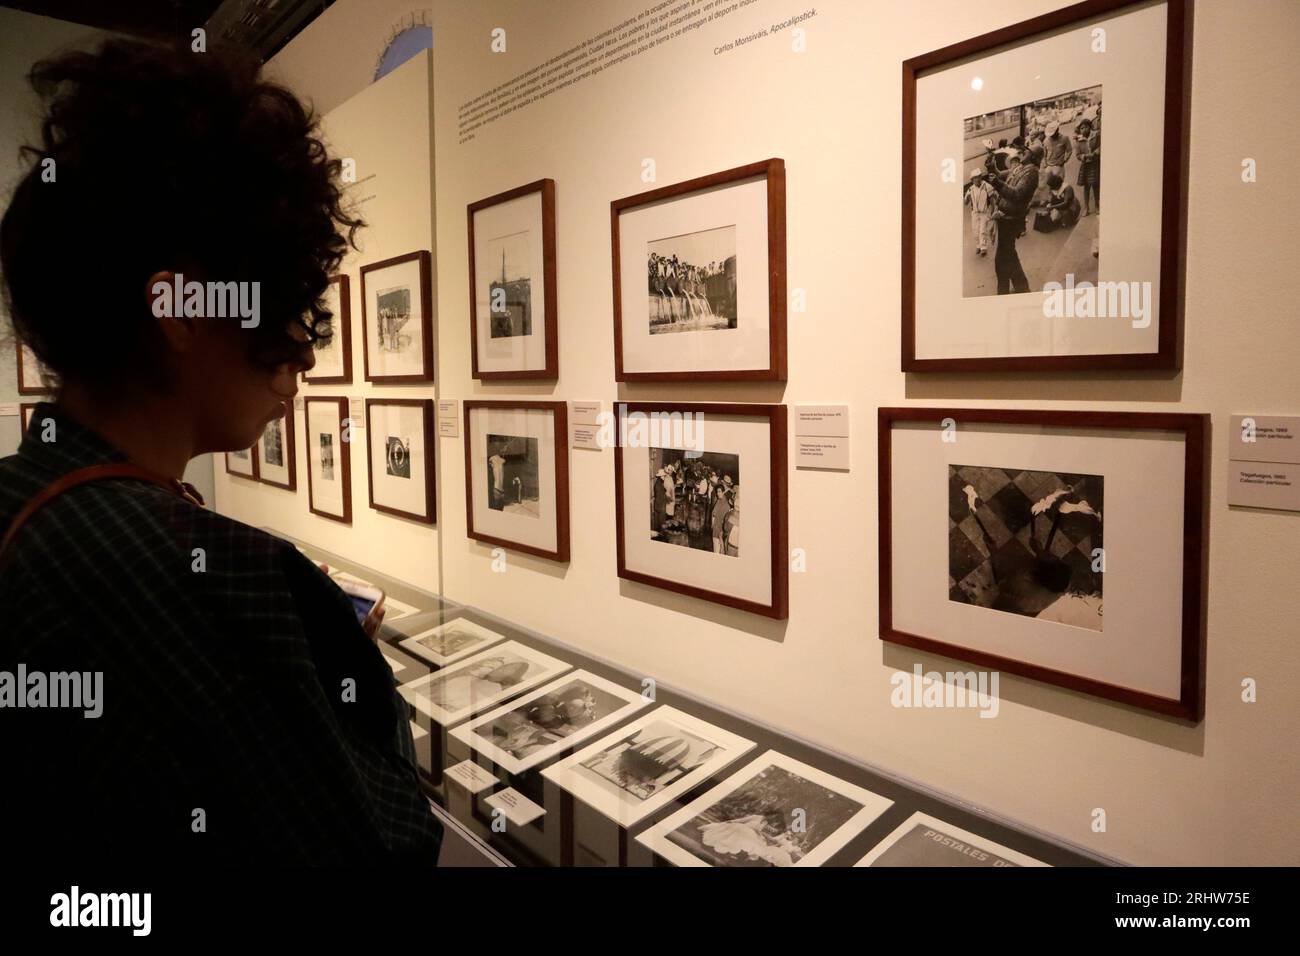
column 334, row 355
column 396, row 319
column 1008, row 260
column 711, row 254
column 552, row 719
column 517, row 475
column 329, row 458
column 400, row 448
column 923, row 840
column 678, row 469
column 482, row 681
column 647, row 764
column 512, row 308
column 277, row 454
column 776, row 811
column 1074, row 544
column 451, row 641
column 243, row 463
column 33, row 377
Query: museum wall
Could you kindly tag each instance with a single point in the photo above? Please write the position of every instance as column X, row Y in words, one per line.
column 1219, row 792
column 384, row 128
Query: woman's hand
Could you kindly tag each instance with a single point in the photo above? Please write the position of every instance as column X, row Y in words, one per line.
column 373, row 622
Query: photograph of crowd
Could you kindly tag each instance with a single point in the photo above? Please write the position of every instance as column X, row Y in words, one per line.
column 1031, row 203
column 695, row 500
column 692, row 281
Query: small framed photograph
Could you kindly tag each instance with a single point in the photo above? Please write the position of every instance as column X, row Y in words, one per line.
column 776, row 811
column 27, row 411
column 923, row 840
column 399, row 449
column 277, row 454
column 550, row 720
column 484, row 680
column 1009, row 263
column 1074, row 546
column 512, row 306
column 396, row 319
column 646, row 765
column 329, row 458
column 517, row 476
column 334, row 355
column 712, row 253
column 678, row 469
column 242, row 463
column 33, row 377
column 450, row 642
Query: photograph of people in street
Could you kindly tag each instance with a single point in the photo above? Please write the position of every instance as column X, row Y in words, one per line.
column 695, row 500
column 1031, row 203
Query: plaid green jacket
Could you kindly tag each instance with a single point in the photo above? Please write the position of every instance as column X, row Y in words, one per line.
column 246, row 717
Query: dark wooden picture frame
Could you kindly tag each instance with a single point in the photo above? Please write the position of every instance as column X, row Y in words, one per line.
column 25, row 387
column 550, row 321
column 774, row 171
column 24, row 408
column 290, row 451
column 776, row 415
column 1173, row 226
column 252, row 459
column 340, row 326
column 1195, row 428
column 425, row 316
column 430, row 451
column 560, row 412
column 343, row 458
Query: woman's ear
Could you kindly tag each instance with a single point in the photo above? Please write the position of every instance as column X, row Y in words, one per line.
column 166, row 303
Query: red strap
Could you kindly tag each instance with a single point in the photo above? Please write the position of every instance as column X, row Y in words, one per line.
column 83, row 476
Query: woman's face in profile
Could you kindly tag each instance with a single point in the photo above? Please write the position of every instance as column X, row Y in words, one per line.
column 234, row 396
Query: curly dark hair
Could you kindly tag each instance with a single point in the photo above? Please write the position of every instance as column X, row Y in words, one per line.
column 166, row 159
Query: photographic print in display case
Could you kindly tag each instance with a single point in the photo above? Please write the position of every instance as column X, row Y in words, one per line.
column 484, row 680
column 645, row 765
column 512, row 306
column 450, row 642
column 923, row 840
column 677, row 476
column 776, row 811
column 329, row 458
column 712, row 253
column 517, row 476
column 550, row 720
column 396, row 319
column 1037, row 516
column 334, row 355
column 276, row 453
column 1002, row 159
column 33, row 377
column 399, row 453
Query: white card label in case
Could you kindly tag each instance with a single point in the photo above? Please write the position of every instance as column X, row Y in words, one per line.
column 471, row 776
column 517, row 808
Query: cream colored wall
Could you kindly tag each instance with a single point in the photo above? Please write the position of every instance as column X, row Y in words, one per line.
column 1223, row 792
column 385, row 129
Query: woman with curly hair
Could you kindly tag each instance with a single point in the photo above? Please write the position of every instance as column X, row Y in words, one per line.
column 243, row 714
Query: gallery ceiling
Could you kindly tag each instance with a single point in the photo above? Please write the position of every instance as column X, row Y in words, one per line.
column 262, row 25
